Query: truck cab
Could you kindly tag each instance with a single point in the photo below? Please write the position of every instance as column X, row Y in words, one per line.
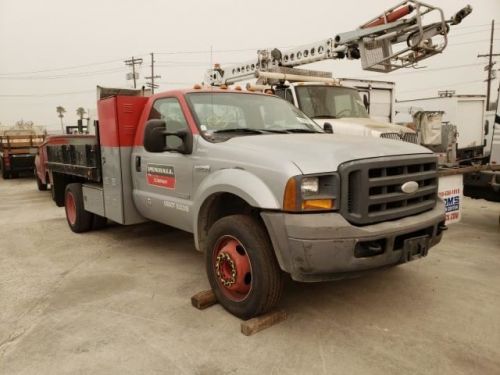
column 343, row 108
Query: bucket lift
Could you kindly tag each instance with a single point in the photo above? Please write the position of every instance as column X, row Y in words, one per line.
column 400, row 37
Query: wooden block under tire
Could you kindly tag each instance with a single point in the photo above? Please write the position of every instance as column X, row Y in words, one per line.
column 259, row 323
column 204, row 299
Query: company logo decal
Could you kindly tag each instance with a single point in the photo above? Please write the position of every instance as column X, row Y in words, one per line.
column 409, row 187
column 161, row 175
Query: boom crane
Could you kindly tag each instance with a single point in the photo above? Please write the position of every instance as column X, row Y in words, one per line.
column 398, row 38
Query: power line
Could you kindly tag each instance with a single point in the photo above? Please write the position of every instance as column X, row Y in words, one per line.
column 469, row 33
column 58, row 69
column 44, row 95
column 440, row 86
column 472, row 42
column 68, row 75
column 425, row 70
column 472, row 26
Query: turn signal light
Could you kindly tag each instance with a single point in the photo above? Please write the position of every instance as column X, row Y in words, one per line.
column 318, row 204
column 290, row 197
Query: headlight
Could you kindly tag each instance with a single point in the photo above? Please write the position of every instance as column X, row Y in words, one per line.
column 312, row 193
column 309, row 186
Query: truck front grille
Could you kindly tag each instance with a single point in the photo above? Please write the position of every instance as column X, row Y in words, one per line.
column 372, row 188
column 406, row 137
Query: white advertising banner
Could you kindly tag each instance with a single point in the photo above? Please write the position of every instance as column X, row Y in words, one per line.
column 451, row 192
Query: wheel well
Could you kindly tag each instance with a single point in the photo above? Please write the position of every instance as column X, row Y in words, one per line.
column 218, row 206
column 60, row 181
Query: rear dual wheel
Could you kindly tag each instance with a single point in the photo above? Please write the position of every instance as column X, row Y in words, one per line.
column 241, row 266
column 78, row 219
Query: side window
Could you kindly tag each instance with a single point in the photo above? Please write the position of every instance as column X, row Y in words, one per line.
column 170, row 111
column 284, row 93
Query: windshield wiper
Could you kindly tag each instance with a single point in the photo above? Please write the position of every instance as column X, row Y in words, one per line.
column 324, row 116
column 301, row 131
column 280, row 131
column 239, row 130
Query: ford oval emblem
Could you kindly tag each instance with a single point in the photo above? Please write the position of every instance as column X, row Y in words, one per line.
column 409, row 187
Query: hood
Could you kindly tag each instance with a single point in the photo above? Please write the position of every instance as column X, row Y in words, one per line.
column 318, row 153
column 363, row 126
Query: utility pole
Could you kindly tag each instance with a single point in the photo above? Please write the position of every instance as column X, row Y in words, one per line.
column 152, row 84
column 489, row 67
column 133, row 62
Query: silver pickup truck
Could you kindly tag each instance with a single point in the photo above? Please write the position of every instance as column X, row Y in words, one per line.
column 263, row 188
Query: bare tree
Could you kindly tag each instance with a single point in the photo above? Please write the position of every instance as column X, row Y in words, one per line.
column 61, row 111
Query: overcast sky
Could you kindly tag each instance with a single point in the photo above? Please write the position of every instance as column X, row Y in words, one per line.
column 54, row 52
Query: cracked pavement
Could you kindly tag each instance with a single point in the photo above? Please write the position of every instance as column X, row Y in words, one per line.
column 118, row 301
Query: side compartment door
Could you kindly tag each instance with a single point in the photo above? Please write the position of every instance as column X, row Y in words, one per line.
column 163, row 181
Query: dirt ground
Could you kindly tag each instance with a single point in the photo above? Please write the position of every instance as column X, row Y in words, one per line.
column 117, row 301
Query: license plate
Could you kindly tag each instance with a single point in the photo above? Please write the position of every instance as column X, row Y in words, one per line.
column 415, row 248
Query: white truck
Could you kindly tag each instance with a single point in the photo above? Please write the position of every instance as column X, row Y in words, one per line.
column 476, row 137
column 398, row 38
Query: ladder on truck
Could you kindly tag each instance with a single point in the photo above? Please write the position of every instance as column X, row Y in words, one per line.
column 400, row 37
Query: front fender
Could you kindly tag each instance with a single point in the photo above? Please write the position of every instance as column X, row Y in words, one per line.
column 239, row 182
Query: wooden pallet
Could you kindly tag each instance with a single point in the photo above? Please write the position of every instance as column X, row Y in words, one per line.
column 207, row 298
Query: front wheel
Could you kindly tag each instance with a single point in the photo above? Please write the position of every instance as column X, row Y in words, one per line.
column 241, row 266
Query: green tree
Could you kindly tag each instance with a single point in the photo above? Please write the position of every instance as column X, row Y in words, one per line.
column 80, row 111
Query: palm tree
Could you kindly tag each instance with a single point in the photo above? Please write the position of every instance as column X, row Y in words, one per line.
column 80, row 111
column 61, row 111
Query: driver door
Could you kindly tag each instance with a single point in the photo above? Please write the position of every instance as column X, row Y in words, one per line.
column 163, row 180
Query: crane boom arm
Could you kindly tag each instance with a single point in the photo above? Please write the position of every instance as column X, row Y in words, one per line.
column 376, row 42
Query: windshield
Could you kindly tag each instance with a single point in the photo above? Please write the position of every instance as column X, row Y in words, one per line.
column 247, row 114
column 330, row 102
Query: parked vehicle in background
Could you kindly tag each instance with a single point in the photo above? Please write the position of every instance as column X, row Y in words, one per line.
column 17, row 151
column 262, row 188
column 466, row 112
column 460, row 130
column 41, row 171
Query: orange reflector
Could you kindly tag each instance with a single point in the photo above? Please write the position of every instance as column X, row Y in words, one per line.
column 197, row 87
column 223, row 87
column 237, row 88
column 290, row 197
column 318, row 204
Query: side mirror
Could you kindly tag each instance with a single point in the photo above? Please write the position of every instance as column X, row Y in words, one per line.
column 156, row 135
column 328, row 128
column 366, row 102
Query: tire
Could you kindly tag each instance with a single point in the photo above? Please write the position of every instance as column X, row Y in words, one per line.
column 241, row 266
column 98, row 222
column 78, row 219
column 5, row 173
column 41, row 186
column 58, row 189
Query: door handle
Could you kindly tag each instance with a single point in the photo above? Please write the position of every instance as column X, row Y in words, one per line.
column 138, row 163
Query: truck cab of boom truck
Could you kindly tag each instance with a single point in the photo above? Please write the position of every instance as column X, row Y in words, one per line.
column 343, row 108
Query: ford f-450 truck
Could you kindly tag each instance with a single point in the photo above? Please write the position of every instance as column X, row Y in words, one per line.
column 262, row 188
